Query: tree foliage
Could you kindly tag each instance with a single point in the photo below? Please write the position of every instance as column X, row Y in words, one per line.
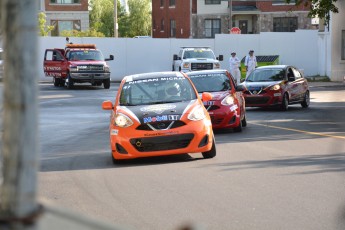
column 135, row 22
column 43, row 29
column 319, row 8
column 84, row 33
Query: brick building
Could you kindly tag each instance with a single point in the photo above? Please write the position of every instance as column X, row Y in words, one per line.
column 66, row 14
column 205, row 18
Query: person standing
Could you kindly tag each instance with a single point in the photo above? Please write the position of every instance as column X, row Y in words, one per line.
column 250, row 62
column 235, row 67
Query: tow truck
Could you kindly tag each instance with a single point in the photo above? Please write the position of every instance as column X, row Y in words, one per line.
column 77, row 63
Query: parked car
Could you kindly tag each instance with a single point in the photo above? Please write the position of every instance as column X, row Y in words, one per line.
column 159, row 114
column 276, row 85
column 227, row 107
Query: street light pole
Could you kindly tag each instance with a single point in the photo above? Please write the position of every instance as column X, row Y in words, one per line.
column 116, row 34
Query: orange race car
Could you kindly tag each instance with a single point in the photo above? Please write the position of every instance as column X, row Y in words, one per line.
column 159, row 114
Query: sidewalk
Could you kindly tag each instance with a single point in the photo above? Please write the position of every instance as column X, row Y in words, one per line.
column 317, row 84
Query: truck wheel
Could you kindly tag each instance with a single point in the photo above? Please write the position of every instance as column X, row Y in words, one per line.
column 56, row 81
column 106, row 84
column 69, row 83
column 62, row 83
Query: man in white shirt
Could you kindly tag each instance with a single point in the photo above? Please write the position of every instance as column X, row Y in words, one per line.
column 250, row 62
column 234, row 67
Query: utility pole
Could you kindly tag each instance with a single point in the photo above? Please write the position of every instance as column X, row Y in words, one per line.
column 18, row 184
column 116, row 33
column 230, row 14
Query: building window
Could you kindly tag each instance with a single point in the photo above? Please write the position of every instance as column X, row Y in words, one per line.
column 343, row 45
column 171, row 2
column 162, row 25
column 284, row 24
column 162, row 3
column 60, row 26
column 212, row 2
column 65, row 1
column 212, row 27
column 172, row 28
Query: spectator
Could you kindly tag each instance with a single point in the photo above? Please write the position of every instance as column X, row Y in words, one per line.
column 250, row 62
column 235, row 67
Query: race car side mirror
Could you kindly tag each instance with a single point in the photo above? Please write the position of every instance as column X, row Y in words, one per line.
column 239, row 88
column 206, row 96
column 107, row 105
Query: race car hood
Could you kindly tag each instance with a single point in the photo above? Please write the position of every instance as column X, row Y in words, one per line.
column 217, row 96
column 259, row 85
column 158, row 112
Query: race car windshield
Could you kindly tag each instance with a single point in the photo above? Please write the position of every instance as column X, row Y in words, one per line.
column 198, row 53
column 259, row 75
column 156, row 91
column 211, row 82
column 85, row 55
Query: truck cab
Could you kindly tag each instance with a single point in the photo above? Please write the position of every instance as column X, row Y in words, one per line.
column 77, row 63
column 195, row 58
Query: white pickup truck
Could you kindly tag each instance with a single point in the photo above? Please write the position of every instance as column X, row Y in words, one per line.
column 195, row 58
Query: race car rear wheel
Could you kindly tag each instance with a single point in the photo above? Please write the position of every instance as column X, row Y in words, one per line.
column 212, row 152
column 106, row 84
column 306, row 101
column 285, row 103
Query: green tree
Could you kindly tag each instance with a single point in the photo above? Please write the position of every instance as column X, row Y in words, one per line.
column 84, row 33
column 102, row 16
column 43, row 29
column 139, row 20
column 319, row 8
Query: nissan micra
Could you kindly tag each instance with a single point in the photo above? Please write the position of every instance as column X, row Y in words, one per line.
column 158, row 114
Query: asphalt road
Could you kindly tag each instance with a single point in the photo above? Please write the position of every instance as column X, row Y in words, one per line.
column 286, row 170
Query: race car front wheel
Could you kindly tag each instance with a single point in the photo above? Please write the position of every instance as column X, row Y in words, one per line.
column 212, row 152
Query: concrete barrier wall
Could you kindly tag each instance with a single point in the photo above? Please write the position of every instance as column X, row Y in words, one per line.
column 138, row 55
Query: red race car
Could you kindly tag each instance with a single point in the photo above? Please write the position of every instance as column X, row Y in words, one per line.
column 276, row 85
column 227, row 107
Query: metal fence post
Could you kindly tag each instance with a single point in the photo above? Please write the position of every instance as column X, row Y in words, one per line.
column 18, row 205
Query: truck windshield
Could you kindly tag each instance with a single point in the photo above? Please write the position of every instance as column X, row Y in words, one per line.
column 85, row 55
column 198, row 53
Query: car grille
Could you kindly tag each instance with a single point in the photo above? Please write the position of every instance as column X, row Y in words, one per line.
column 211, row 107
column 255, row 92
column 201, row 66
column 86, row 68
column 256, row 100
column 170, row 142
column 161, row 125
column 216, row 120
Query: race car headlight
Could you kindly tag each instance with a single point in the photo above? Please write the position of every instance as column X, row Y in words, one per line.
column 122, row 120
column 217, row 65
column 197, row 114
column 185, row 65
column 228, row 100
column 275, row 87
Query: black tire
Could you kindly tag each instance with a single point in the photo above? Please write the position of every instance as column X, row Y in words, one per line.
column 56, row 81
column 213, row 152
column 106, row 84
column 306, row 101
column 244, row 121
column 285, row 103
column 69, row 83
column 239, row 127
